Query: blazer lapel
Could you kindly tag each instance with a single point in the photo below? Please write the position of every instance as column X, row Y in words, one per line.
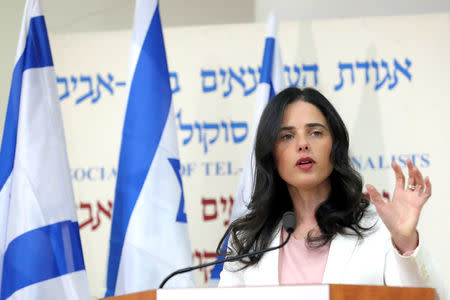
column 266, row 272
column 341, row 251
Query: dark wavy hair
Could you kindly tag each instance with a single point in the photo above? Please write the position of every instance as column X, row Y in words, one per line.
column 340, row 213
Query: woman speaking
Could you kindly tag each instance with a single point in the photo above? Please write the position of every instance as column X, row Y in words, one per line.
column 302, row 165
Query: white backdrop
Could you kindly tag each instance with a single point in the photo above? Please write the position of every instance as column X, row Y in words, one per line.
column 387, row 76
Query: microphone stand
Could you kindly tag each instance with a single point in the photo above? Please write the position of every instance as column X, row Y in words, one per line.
column 233, row 258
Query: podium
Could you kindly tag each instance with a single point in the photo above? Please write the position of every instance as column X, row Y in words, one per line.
column 288, row 292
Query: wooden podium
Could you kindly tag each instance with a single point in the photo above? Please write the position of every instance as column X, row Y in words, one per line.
column 298, row 292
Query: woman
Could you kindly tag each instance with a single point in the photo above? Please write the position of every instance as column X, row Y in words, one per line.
column 303, row 165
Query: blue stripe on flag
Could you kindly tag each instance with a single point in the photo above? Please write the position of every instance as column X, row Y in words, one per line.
column 272, row 91
column 147, row 111
column 41, row 254
column 39, row 54
column 215, row 272
column 266, row 70
column 36, row 55
column 181, row 214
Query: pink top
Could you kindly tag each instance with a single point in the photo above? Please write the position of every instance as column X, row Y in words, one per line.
column 298, row 264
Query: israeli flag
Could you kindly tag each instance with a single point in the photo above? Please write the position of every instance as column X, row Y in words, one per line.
column 270, row 83
column 149, row 234
column 40, row 248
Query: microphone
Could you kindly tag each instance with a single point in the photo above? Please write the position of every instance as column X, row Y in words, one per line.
column 289, row 223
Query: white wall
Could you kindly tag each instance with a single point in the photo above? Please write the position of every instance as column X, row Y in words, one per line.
column 306, row 9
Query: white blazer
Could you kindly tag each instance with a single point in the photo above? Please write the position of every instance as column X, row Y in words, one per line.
column 372, row 260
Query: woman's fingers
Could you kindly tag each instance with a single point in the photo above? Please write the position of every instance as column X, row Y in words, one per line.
column 411, row 179
column 419, row 180
column 427, row 192
column 375, row 196
column 399, row 177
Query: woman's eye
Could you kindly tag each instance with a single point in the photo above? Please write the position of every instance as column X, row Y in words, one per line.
column 317, row 133
column 287, row 136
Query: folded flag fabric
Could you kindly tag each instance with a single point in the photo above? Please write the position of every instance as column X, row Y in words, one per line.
column 149, row 234
column 40, row 247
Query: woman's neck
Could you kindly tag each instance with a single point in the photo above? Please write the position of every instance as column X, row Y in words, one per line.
column 306, row 202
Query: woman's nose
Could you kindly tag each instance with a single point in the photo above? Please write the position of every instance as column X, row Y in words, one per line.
column 302, row 142
column 303, row 145
column 303, row 148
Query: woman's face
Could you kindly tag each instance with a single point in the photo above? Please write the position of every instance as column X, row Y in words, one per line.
column 303, row 147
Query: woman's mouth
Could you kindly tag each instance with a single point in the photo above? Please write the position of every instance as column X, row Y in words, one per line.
column 305, row 163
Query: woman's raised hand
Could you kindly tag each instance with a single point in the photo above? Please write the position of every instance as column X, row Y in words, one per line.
column 401, row 215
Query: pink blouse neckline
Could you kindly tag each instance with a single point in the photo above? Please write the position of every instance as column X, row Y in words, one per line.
column 298, row 264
